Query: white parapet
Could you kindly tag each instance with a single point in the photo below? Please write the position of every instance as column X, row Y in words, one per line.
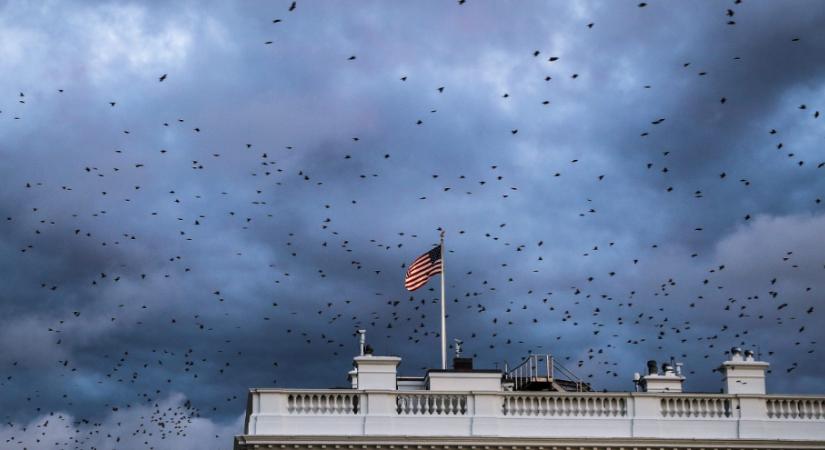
column 478, row 381
column 274, row 415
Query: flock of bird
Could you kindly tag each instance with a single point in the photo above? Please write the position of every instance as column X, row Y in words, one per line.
column 106, row 210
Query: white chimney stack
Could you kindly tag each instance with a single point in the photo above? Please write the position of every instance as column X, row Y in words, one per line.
column 376, row 372
column 743, row 374
column 669, row 381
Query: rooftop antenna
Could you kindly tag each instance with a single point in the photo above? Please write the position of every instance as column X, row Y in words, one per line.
column 458, row 343
column 362, row 340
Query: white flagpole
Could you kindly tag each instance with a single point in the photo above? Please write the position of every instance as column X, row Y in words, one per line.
column 443, row 311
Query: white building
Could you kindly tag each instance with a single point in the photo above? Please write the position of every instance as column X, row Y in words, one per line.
column 531, row 408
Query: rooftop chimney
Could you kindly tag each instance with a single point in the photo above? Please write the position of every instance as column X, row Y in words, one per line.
column 742, row 374
column 376, row 372
column 669, row 381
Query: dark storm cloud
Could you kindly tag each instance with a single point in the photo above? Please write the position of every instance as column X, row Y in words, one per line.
column 289, row 193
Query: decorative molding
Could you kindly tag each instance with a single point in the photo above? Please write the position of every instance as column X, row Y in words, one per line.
column 448, row 443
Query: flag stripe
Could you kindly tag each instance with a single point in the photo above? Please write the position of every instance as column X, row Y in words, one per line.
column 422, row 268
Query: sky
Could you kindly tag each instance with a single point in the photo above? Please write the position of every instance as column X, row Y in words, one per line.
column 204, row 197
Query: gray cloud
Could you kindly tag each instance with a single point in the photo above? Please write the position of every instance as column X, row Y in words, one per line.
column 169, row 261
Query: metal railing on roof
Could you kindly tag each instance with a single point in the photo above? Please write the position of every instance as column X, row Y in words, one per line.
column 541, row 368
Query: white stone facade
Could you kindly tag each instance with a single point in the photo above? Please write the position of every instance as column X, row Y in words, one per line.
column 472, row 410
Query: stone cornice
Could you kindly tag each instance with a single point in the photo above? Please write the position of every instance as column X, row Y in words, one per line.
column 478, row 443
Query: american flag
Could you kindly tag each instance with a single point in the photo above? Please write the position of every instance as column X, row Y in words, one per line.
column 423, row 268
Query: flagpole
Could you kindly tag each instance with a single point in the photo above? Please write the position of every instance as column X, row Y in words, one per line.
column 443, row 311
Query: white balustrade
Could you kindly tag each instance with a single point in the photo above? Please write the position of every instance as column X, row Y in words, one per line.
column 562, row 405
column 696, row 406
column 431, row 404
column 318, row 403
column 277, row 412
column 796, row 408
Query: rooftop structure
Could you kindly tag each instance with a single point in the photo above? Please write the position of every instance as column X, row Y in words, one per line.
column 530, row 407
